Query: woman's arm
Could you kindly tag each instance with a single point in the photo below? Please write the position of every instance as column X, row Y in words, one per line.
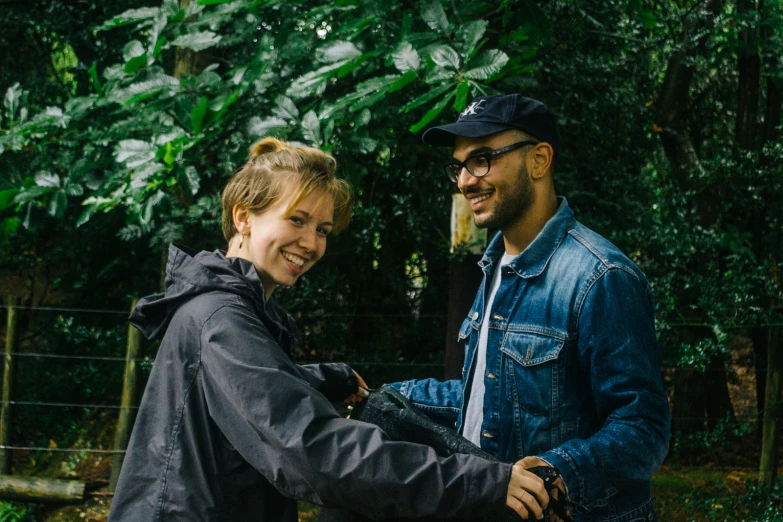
column 290, row 433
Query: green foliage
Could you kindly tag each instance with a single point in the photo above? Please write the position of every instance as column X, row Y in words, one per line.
column 137, row 156
column 756, row 504
column 726, row 432
column 11, row 512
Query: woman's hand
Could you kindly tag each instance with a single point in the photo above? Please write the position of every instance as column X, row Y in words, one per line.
column 532, row 462
column 361, row 394
column 526, row 493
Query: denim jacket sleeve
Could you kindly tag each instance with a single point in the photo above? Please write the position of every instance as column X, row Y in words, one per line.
column 439, row 400
column 618, row 347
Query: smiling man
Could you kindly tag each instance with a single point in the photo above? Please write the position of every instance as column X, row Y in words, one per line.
column 562, row 367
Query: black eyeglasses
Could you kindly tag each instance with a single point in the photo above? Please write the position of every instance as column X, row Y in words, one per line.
column 479, row 164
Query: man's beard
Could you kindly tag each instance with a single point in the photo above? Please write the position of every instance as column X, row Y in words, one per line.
column 510, row 207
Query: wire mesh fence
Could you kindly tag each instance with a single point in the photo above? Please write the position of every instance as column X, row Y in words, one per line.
column 423, row 368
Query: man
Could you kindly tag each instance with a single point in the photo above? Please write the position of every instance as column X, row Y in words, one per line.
column 562, row 367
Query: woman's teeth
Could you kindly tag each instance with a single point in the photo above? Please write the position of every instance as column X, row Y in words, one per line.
column 295, row 260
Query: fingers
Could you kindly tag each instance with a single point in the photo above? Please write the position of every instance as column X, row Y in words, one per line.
column 526, row 493
column 518, row 507
column 357, row 397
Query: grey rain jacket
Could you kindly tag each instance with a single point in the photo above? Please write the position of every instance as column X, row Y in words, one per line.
column 230, row 429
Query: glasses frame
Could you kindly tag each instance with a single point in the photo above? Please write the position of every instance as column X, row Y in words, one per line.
column 488, row 155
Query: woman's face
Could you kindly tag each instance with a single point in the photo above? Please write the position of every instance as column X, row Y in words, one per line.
column 283, row 247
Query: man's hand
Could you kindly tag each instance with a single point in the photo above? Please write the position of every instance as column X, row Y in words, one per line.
column 361, row 393
column 526, row 493
column 532, row 462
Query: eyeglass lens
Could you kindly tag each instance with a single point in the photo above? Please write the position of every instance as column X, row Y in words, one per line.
column 477, row 166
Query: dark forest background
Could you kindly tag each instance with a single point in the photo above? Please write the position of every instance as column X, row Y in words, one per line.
column 122, row 120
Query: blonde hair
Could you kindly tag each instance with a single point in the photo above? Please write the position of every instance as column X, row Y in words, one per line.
column 278, row 170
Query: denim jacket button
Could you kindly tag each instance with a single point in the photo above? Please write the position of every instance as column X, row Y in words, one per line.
column 474, row 316
column 490, row 375
column 497, row 317
column 487, row 435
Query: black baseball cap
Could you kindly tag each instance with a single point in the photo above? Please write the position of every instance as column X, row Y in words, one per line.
column 487, row 115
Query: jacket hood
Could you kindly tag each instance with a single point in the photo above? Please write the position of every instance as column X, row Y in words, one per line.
column 189, row 274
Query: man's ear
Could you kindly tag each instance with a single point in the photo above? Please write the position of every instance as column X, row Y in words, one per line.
column 541, row 160
column 241, row 216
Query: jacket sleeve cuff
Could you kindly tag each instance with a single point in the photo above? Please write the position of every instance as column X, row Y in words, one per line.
column 336, row 381
column 572, row 479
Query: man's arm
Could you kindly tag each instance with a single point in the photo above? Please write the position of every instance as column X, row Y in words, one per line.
column 618, row 347
column 439, row 400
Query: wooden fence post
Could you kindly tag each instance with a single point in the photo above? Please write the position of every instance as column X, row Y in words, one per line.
column 127, row 413
column 772, row 410
column 9, row 376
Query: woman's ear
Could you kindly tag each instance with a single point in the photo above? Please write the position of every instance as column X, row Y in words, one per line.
column 241, row 217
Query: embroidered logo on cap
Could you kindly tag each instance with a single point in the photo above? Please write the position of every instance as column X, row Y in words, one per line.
column 473, row 108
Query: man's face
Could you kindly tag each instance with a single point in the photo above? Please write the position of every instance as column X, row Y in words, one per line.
column 503, row 196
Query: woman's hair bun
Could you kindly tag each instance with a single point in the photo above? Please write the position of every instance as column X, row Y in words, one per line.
column 267, row 146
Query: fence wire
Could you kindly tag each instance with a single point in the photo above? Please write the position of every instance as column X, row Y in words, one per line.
column 398, row 364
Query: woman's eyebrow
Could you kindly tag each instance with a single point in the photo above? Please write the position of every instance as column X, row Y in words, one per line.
column 307, row 214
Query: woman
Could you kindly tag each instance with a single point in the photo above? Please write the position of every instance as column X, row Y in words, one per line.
column 230, row 429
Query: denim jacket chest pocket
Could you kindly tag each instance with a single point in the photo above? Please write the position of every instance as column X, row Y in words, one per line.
column 530, row 363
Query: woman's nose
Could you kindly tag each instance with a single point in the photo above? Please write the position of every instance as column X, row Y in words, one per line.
column 308, row 239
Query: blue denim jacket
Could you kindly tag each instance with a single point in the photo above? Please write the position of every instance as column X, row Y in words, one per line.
column 573, row 369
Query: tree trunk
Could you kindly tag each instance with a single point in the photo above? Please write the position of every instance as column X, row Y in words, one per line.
column 689, row 398
column 770, row 446
column 718, row 404
column 749, row 67
column 760, row 337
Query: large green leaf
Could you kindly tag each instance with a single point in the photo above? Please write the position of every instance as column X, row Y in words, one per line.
column 192, row 179
column 198, row 113
column 257, row 127
column 367, row 93
column 141, row 90
column 132, row 49
column 431, row 114
column 469, row 35
column 130, row 16
column 11, row 102
column 336, row 52
column 47, row 179
column 434, row 16
column 406, row 58
column 486, row 64
column 58, row 203
column 127, row 149
column 313, row 83
column 147, row 209
column 424, row 98
column 403, row 80
column 445, row 56
column 197, row 41
column 461, row 99
column 7, row 198
column 286, row 109
column 311, row 128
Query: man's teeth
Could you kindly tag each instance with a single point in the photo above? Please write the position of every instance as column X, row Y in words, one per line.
column 480, row 198
column 296, row 260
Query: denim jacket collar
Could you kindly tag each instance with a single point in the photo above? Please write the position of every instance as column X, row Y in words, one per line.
column 533, row 260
